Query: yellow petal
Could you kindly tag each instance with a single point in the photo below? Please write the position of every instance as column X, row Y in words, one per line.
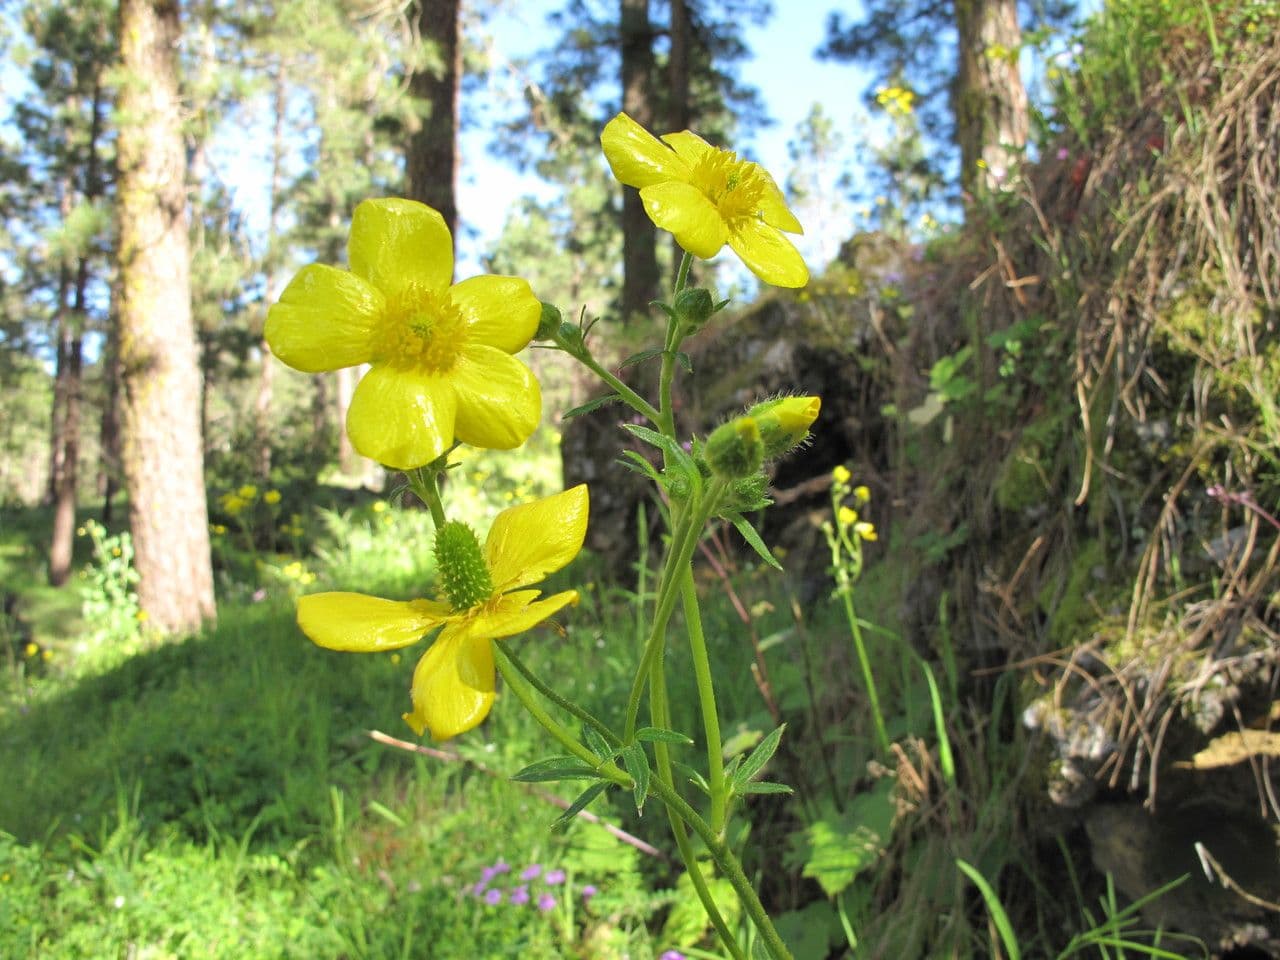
column 638, row 158
column 687, row 214
column 323, row 320
column 397, row 243
column 768, row 254
column 452, row 685
column 401, row 418
column 513, row 613
column 364, row 624
column 773, row 207
column 499, row 401
column 688, row 146
column 531, row 540
column 500, row 312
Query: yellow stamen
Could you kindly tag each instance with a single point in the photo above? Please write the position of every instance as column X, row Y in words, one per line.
column 735, row 186
column 422, row 329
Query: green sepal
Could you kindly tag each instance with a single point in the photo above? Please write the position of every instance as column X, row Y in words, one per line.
column 636, row 763
column 660, row 735
column 562, row 822
column 556, row 768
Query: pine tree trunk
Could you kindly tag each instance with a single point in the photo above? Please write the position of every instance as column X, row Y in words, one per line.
column 992, row 122
column 431, row 162
column 263, row 431
column 639, row 236
column 679, row 112
column 160, row 378
column 66, row 440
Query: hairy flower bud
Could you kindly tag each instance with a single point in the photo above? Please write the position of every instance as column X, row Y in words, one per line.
column 694, row 308
column 784, row 422
column 734, row 449
column 464, row 576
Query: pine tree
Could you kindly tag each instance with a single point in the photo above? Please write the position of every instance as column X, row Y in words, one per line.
column 160, row 399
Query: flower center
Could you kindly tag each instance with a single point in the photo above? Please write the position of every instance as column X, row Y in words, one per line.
column 735, row 186
column 464, row 576
column 421, row 329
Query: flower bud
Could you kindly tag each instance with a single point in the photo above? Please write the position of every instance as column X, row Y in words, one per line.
column 464, row 576
column 548, row 323
column 694, row 308
column 734, row 449
column 784, row 422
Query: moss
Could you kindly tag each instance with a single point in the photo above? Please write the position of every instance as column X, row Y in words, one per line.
column 1024, row 479
column 1072, row 607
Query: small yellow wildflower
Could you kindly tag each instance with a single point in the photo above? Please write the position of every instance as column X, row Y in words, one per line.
column 379, row 506
column 440, row 355
column 862, row 493
column 31, row 649
column 271, row 497
column 453, row 684
column 847, row 516
column 707, row 197
column 46, row 655
column 142, row 616
column 248, row 491
column 841, row 474
column 217, row 529
column 865, row 530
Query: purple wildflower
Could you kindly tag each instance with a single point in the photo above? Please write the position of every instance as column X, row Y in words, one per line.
column 672, row 955
column 1063, row 153
column 531, row 872
column 520, row 895
column 478, row 888
column 501, row 867
column 493, row 897
column 546, row 902
column 554, row 876
column 589, row 891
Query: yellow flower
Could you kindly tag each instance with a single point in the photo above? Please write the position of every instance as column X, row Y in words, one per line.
column 866, row 531
column 841, row 474
column 707, row 197
column 441, row 355
column 379, row 506
column 453, row 683
column 271, row 497
column 248, row 491
column 847, row 516
column 31, row 649
column 862, row 493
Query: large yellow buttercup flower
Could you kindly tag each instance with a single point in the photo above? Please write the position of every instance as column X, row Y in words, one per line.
column 707, row 197
column 441, row 355
column 484, row 599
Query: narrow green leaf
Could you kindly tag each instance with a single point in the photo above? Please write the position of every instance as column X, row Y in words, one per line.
column 693, row 776
column 652, row 437
column 556, row 768
column 664, row 307
column 562, row 822
column 763, row 786
column 995, row 908
column 598, row 745
column 634, row 461
column 637, row 764
column 659, row 735
column 640, row 357
column 590, row 405
column 682, row 358
column 749, row 534
column 759, row 757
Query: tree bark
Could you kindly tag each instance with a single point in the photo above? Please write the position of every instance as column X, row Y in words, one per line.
column 992, row 122
column 679, row 112
column 160, row 379
column 431, row 163
column 639, row 236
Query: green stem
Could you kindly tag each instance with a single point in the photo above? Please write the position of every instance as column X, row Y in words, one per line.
column 566, row 705
column 516, row 684
column 706, row 699
column 632, row 399
column 864, row 662
column 667, row 421
column 660, row 710
column 423, row 482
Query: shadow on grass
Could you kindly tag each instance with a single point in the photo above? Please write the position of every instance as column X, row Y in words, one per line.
column 248, row 722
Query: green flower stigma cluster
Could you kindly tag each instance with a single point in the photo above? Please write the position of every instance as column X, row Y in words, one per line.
column 464, row 576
